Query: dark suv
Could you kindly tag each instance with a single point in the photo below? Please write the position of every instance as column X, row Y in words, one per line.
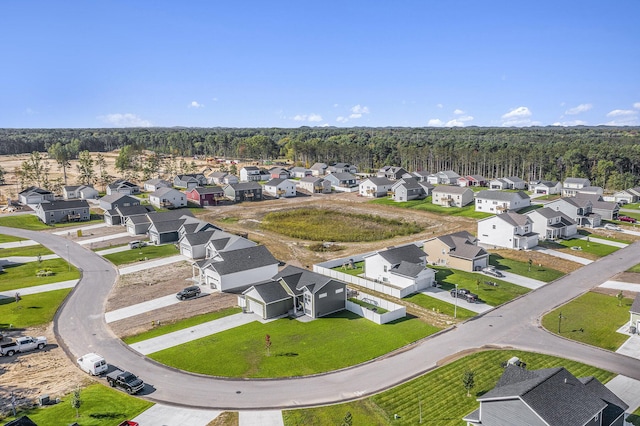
column 189, row 292
column 464, row 294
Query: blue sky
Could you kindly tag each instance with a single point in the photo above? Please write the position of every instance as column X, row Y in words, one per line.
column 327, row 63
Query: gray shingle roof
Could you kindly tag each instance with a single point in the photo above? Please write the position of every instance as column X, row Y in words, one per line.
column 501, row 195
column 203, row 190
column 409, row 253
column 635, row 306
column 462, row 245
column 408, row 269
column 270, row 291
column 449, row 189
column 243, row 259
column 379, row 181
column 116, row 196
column 63, row 205
column 245, row 186
column 297, row 279
column 514, row 219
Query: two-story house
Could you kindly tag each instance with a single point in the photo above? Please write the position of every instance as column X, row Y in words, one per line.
column 459, row 250
column 280, row 188
column 314, row 185
column 51, row 212
column 571, row 185
column 375, row 187
column 391, row 172
column 244, row 191
column 341, row 181
column 577, row 208
column 509, row 230
column 250, row 174
column 445, row 177
column 167, row 198
column 451, row 196
column 319, row 169
column 205, row 195
column 407, row 189
column 123, row 186
column 552, row 224
column 403, row 267
column 491, row 201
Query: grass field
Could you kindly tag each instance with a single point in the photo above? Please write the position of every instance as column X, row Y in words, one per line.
column 180, row 325
column 522, row 268
column 437, row 305
column 598, row 249
column 592, row 318
column 101, row 406
column 427, row 205
column 10, row 238
column 32, row 310
column 143, row 253
column 24, row 274
column 297, row 349
column 25, row 251
column 23, row 221
column 330, row 225
column 491, row 295
column 358, row 269
column 439, row 395
column 635, row 268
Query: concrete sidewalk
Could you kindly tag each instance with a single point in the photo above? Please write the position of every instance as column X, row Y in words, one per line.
column 260, row 418
column 141, row 266
column 445, row 296
column 167, row 415
column 39, row 288
column 562, row 255
column 27, row 259
column 631, row 347
column 103, row 238
column 16, row 244
column 603, row 241
column 620, row 285
column 520, row 280
column 180, row 337
column 113, row 250
column 74, row 231
column 627, row 389
column 140, row 308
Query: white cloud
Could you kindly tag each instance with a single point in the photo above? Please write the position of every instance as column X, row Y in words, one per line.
column 577, row 110
column 440, row 106
column 125, row 120
column 623, row 117
column 342, row 119
column 435, row 122
column 195, row 104
column 454, row 123
column 358, row 109
column 621, row 113
column 517, row 113
column 214, row 99
column 636, row 105
column 314, row 118
column 458, row 112
column 570, row 123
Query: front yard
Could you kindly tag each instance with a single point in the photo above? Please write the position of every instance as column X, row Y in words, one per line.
column 541, row 273
column 298, row 348
column 32, row 310
column 24, row 274
column 30, row 251
column 438, row 306
column 581, row 246
column 140, row 254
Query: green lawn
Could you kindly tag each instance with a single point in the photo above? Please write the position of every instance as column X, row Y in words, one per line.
column 24, row 221
column 180, row 325
column 25, row 251
column 491, row 295
column 143, row 253
column 635, row 268
column 597, row 249
column 603, row 237
column 24, row 274
column 32, row 310
column 439, row 395
column 101, row 406
column 10, row 238
column 592, row 318
column 427, row 205
column 437, row 305
column 522, row 268
column 358, row 269
column 297, row 349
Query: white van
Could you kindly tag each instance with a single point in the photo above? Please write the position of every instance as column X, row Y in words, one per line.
column 93, row 364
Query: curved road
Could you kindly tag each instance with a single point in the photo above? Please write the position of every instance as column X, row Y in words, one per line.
column 81, row 328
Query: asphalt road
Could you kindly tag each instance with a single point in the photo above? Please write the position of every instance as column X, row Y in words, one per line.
column 81, row 328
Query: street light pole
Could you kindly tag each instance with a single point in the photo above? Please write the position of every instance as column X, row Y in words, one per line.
column 559, row 321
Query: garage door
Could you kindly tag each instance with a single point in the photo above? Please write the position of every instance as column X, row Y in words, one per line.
column 255, row 307
column 186, row 251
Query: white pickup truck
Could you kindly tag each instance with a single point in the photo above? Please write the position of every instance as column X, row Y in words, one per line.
column 23, row 344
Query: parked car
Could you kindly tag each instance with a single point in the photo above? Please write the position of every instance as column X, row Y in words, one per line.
column 612, row 227
column 491, row 270
column 128, row 423
column 627, row 219
column 126, row 381
column 93, row 364
column 136, row 244
column 189, row 292
column 23, row 344
column 463, row 293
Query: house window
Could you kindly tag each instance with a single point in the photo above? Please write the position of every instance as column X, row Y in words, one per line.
column 385, row 268
column 339, row 290
column 322, row 295
column 493, row 226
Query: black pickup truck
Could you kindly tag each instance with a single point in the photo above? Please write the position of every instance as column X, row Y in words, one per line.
column 125, row 380
column 464, row 294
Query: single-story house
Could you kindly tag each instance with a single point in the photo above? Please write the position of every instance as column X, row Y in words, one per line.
column 343, row 168
column 552, row 224
column 407, row 189
column 244, row 191
column 35, row 195
column 83, row 192
column 403, row 267
column 205, row 195
column 319, row 169
column 314, row 185
column 279, row 173
column 342, row 180
column 445, row 177
column 119, row 215
column 492, row 201
column 51, row 212
column 509, row 182
column 451, row 196
column 391, row 172
column 230, row 179
column 545, row 187
column 590, row 190
column 550, row 396
column 110, row 202
column 458, row 250
column 280, row 188
column 299, row 172
column 472, row 180
column 375, row 187
column 124, row 187
column 216, row 178
column 420, row 175
column 155, row 184
column 167, row 198
column 631, row 195
column 189, row 181
column 509, row 230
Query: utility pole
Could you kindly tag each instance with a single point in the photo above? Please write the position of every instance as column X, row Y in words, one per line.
column 560, row 317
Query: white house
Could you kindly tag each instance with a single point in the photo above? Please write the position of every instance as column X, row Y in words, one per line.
column 314, row 185
column 403, row 267
column 579, row 209
column 35, row 195
column 509, row 230
column 571, row 186
column 375, row 187
column 445, row 177
column 451, row 196
column 250, row 174
column 552, row 224
column 491, row 201
column 510, row 182
column 280, row 188
column 167, row 198
column 631, row 195
column 319, row 169
column 83, row 192
column 545, row 187
column 155, row 184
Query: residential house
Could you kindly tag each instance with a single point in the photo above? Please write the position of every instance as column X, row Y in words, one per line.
column 319, row 169
column 510, row 182
column 458, row 250
column 577, row 208
column 216, row 178
column 280, row 188
column 250, row 174
column 342, row 168
column 472, row 180
column 136, row 224
column 547, row 397
column 82, row 192
column 279, row 173
column 491, row 201
column 420, row 175
column 109, row 202
column 631, row 195
column 244, row 191
column 267, row 299
column 167, row 198
column 189, row 181
column 634, row 312
column 590, row 190
column 403, row 267
column 155, row 184
column 205, row 195
column 545, row 187
column 300, row 172
column 164, row 226
column 552, row 224
column 508, row 230
column 445, row 177
column 606, row 209
column 375, row 187
column 230, row 179
column 236, row 270
column 571, row 186
column 122, row 186
column 119, row 214
column 314, row 185
column 340, row 180
column 451, row 196
column 34, row 195
column 51, row 212
column 391, row 172
column 312, row 294
column 194, row 244
column 407, row 189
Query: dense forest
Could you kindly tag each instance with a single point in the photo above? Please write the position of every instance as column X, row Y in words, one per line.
column 609, row 156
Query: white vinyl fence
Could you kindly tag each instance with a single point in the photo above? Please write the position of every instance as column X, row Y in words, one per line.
column 395, row 311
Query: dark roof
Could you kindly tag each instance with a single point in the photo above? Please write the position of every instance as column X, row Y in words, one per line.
column 409, row 253
column 122, row 182
column 199, row 238
column 162, row 191
column 111, row 198
column 297, row 279
column 21, row 421
column 63, row 205
column 450, row 189
column 343, row 176
column 463, row 245
column 276, row 182
column 243, row 259
column 379, row 180
column 169, row 215
column 134, row 210
column 635, row 306
column 501, row 195
column 203, row 190
column 270, row 291
column 311, row 179
column 408, row 269
column 245, row 186
column 35, row 189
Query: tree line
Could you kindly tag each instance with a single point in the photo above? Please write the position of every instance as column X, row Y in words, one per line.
column 608, row 156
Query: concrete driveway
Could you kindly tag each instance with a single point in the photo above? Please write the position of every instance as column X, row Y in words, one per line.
column 39, row 288
column 520, row 280
column 74, row 231
column 563, row 255
column 627, row 389
column 16, row 244
column 141, row 266
column 167, row 415
column 260, row 418
column 445, row 296
column 620, row 285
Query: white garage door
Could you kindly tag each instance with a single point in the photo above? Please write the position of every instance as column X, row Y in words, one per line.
column 255, row 307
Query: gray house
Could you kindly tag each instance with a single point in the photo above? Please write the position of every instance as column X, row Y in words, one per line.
column 547, row 397
column 63, row 211
column 109, row 202
column 407, row 189
column 122, row 186
column 35, row 195
column 342, row 180
column 119, row 215
column 164, row 226
column 634, row 311
column 189, row 181
column 244, row 191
